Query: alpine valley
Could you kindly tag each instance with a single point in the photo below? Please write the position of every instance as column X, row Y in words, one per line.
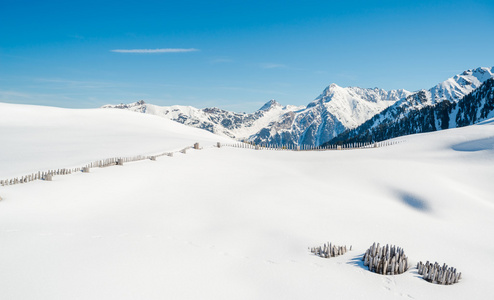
column 347, row 114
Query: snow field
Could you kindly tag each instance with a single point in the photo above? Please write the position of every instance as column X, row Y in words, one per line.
column 37, row 138
column 237, row 223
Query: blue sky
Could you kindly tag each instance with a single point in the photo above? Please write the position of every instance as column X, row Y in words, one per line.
column 235, row 55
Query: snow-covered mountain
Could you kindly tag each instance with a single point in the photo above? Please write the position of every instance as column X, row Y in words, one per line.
column 42, row 138
column 343, row 112
column 235, row 223
column 334, row 111
column 459, row 101
column 215, row 120
column 331, row 113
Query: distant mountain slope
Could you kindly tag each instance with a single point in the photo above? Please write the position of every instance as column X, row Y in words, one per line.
column 334, row 111
column 40, row 138
column 215, row 120
column 337, row 114
column 428, row 115
column 331, row 113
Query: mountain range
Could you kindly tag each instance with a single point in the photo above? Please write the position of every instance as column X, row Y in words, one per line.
column 462, row 100
column 345, row 114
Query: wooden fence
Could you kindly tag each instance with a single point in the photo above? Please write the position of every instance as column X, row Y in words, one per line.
column 115, row 161
column 277, row 147
column 386, row 260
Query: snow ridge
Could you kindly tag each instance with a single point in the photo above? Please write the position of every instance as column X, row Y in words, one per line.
column 335, row 111
column 441, row 107
column 215, row 120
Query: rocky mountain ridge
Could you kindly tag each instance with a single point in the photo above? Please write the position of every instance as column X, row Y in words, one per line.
column 440, row 107
column 338, row 113
column 216, row 120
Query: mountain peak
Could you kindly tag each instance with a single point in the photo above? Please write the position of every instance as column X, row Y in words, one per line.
column 458, row 86
column 479, row 70
column 137, row 104
column 270, row 104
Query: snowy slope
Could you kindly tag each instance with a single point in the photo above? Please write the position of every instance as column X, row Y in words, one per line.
column 38, row 138
column 452, row 90
column 457, row 87
column 234, row 223
column 459, row 101
column 334, row 111
column 353, row 105
column 215, row 120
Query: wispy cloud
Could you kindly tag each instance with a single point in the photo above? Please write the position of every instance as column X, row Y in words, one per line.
column 221, row 60
column 76, row 36
column 347, row 76
column 10, row 96
column 152, row 51
column 60, row 83
column 7, row 95
column 225, row 88
column 273, row 66
column 250, row 90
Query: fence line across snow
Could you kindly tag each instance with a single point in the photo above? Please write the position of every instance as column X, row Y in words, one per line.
column 119, row 161
column 103, row 163
column 291, row 147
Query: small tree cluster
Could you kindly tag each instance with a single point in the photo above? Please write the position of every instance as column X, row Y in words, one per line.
column 328, row 250
column 439, row 275
column 386, row 260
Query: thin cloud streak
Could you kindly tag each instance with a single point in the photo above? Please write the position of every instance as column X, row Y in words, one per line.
column 273, row 66
column 152, row 51
column 221, row 60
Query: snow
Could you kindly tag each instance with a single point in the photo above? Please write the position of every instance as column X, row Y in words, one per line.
column 235, row 223
column 352, row 106
column 38, row 138
column 455, row 88
column 274, row 114
column 335, row 110
column 452, row 89
column 243, row 124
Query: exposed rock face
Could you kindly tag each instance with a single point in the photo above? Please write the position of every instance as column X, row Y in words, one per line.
column 334, row 111
column 459, row 101
column 350, row 113
column 219, row 121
